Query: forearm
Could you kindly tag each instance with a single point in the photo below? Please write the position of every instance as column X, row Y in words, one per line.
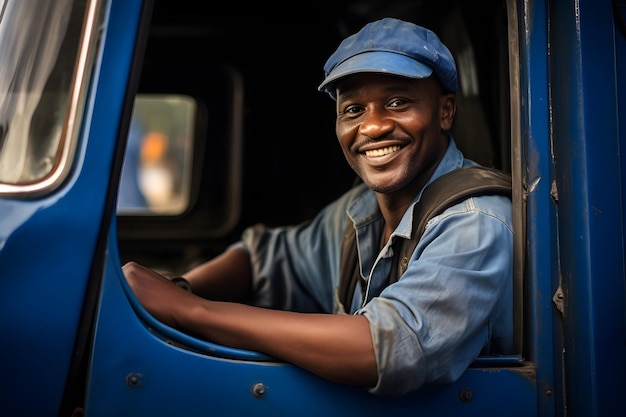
column 336, row 347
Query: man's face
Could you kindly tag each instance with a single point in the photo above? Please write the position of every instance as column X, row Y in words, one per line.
column 392, row 130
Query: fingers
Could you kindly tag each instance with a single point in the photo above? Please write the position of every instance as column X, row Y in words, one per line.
column 158, row 295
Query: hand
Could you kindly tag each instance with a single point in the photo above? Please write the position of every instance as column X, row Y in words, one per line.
column 160, row 297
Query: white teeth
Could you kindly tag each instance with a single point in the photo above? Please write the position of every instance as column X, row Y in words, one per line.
column 382, row 152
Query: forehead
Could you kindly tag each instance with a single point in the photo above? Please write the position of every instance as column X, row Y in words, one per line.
column 369, row 82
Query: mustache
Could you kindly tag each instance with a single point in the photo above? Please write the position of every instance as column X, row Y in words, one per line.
column 370, row 141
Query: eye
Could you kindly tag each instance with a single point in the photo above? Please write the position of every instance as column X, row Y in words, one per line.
column 396, row 102
column 353, row 109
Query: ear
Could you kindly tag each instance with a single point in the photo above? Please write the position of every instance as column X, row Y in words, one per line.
column 447, row 104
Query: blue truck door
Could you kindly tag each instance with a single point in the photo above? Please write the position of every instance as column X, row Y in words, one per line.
column 141, row 367
column 53, row 201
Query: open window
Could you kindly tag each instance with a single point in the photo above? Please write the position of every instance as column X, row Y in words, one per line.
column 231, row 152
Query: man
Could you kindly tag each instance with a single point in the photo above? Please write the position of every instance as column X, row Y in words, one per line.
column 394, row 84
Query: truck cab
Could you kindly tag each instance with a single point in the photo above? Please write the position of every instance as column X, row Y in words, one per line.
column 157, row 131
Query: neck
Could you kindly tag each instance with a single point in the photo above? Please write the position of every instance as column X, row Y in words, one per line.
column 392, row 209
column 393, row 205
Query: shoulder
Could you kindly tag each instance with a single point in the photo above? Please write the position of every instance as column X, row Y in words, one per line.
column 485, row 211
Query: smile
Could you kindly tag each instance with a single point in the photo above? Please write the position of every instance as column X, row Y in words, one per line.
column 382, row 151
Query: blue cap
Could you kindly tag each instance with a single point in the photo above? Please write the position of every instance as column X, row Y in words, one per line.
column 394, row 47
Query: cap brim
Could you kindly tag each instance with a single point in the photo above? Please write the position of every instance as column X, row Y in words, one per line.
column 376, row 62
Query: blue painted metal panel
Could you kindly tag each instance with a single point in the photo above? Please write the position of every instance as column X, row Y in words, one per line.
column 588, row 176
column 541, row 254
column 620, row 55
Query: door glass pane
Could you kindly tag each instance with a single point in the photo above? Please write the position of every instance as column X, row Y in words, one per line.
column 157, row 165
column 40, row 45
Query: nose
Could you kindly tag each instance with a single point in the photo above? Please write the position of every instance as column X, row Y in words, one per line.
column 376, row 123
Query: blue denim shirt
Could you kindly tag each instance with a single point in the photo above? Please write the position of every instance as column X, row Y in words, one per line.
column 453, row 302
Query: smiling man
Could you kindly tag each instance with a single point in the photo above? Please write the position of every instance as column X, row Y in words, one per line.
column 276, row 290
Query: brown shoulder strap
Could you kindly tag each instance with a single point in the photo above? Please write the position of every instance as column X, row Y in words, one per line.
column 445, row 191
column 349, row 273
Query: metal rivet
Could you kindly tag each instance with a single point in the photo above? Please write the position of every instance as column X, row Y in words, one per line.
column 258, row 390
column 466, row 394
column 405, row 263
column 134, row 380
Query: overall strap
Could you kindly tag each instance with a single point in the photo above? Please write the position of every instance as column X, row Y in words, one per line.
column 447, row 190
